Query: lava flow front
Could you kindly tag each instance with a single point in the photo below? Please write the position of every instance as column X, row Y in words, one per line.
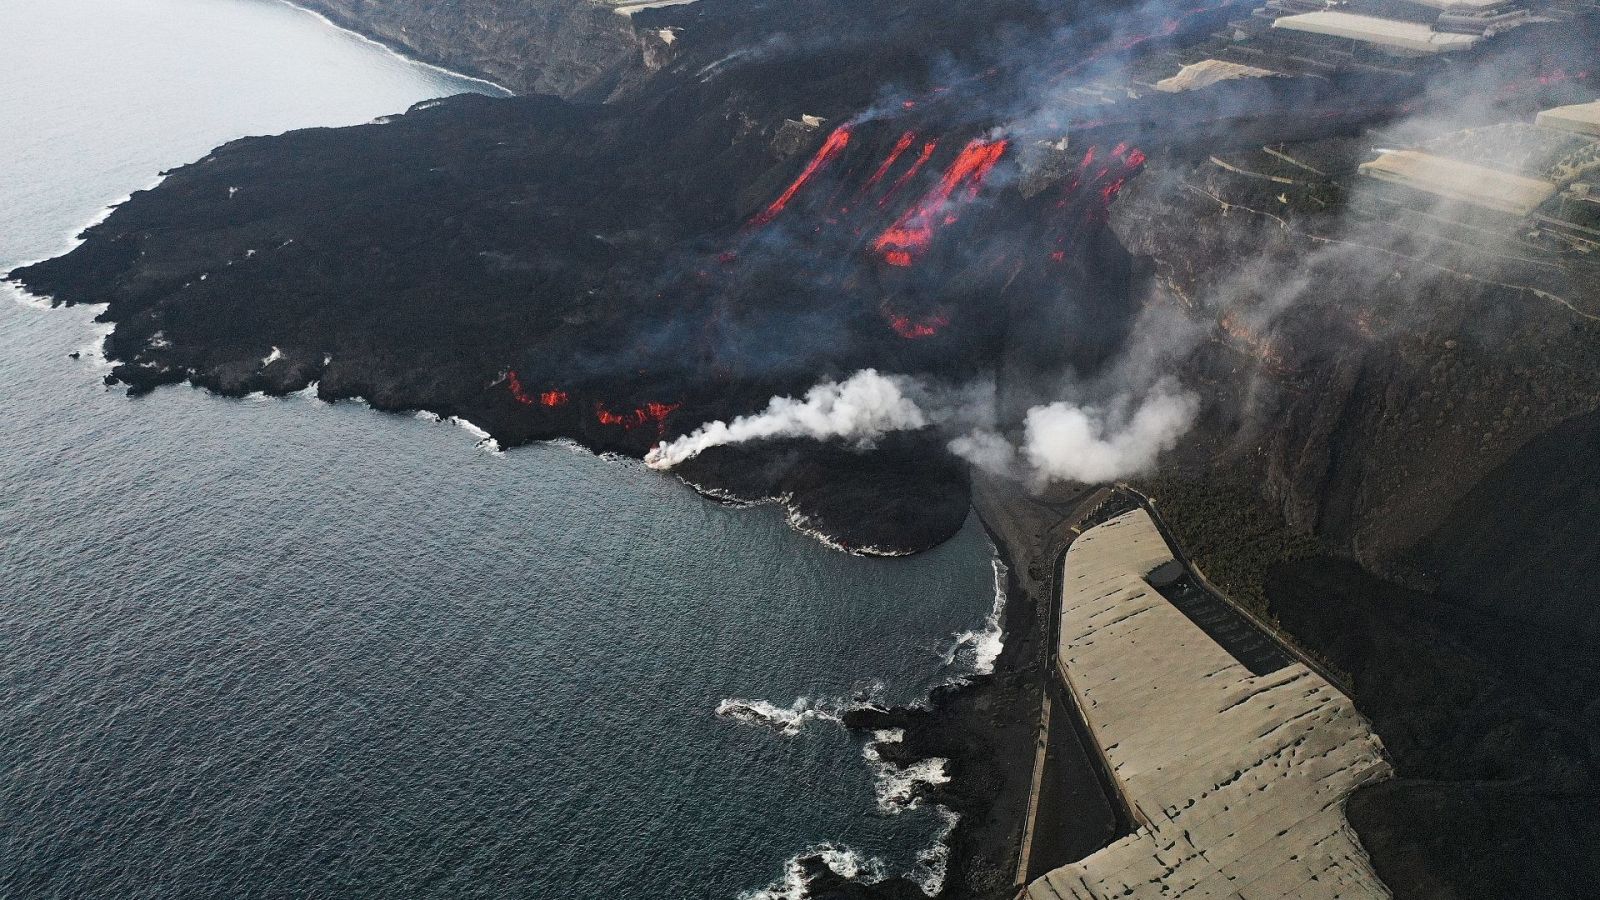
column 648, row 414
column 911, row 235
column 831, row 148
column 548, row 399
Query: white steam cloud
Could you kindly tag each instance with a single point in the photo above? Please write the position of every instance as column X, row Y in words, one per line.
column 1062, row 440
column 862, row 408
column 1084, row 443
column 1065, row 441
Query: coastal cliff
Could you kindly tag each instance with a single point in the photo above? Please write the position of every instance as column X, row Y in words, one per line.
column 570, row 48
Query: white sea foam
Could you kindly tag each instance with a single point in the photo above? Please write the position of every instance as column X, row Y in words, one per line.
column 427, row 415
column 94, row 351
column 23, row 296
column 569, row 445
column 792, row 719
column 899, row 788
column 841, row 859
column 804, row 524
column 933, row 864
column 787, row 721
column 485, row 443
column 309, row 392
column 979, row 649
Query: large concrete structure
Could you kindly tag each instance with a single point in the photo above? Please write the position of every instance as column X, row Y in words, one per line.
column 1582, row 118
column 1388, row 35
column 1238, row 780
column 1463, row 182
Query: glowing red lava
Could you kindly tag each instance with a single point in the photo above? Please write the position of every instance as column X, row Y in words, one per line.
column 1087, row 196
column 831, row 148
column 916, row 329
column 1543, row 79
column 913, row 327
column 916, row 166
column 912, row 233
column 547, row 399
column 900, row 147
column 650, row 413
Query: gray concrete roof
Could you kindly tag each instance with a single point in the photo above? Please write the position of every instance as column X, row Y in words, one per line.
column 1451, row 179
column 1581, row 118
column 1388, row 34
column 1240, row 780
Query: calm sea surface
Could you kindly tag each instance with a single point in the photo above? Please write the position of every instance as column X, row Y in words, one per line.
column 283, row 648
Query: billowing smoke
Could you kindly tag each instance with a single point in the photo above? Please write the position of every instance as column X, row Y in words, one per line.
column 1065, row 441
column 1062, row 440
column 863, row 407
column 1086, row 443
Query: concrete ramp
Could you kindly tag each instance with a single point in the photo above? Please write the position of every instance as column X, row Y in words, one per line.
column 1239, row 781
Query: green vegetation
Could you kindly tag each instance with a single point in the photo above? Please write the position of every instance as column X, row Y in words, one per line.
column 1229, row 531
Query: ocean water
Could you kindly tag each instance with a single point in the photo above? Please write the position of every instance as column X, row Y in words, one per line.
column 281, row 648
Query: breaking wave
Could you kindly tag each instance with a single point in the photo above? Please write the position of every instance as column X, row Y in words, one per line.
column 23, row 296
column 787, row 721
column 794, row 884
column 792, row 719
column 978, row 649
column 896, row 788
column 933, row 864
column 486, row 443
column 900, row 788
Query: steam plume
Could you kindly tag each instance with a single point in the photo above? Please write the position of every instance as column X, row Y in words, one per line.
column 865, row 406
column 1064, row 441
column 1084, row 443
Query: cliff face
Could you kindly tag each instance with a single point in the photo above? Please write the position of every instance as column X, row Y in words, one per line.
column 571, row 48
column 1421, row 395
column 1372, row 371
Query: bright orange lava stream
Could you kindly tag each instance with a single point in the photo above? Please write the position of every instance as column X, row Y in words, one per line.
column 832, row 147
column 912, row 233
column 900, row 147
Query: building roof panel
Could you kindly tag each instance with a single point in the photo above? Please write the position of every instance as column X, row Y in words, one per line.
column 1389, row 34
column 1581, row 118
column 1452, row 179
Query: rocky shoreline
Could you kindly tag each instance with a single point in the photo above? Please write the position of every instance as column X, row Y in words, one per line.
column 987, row 728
